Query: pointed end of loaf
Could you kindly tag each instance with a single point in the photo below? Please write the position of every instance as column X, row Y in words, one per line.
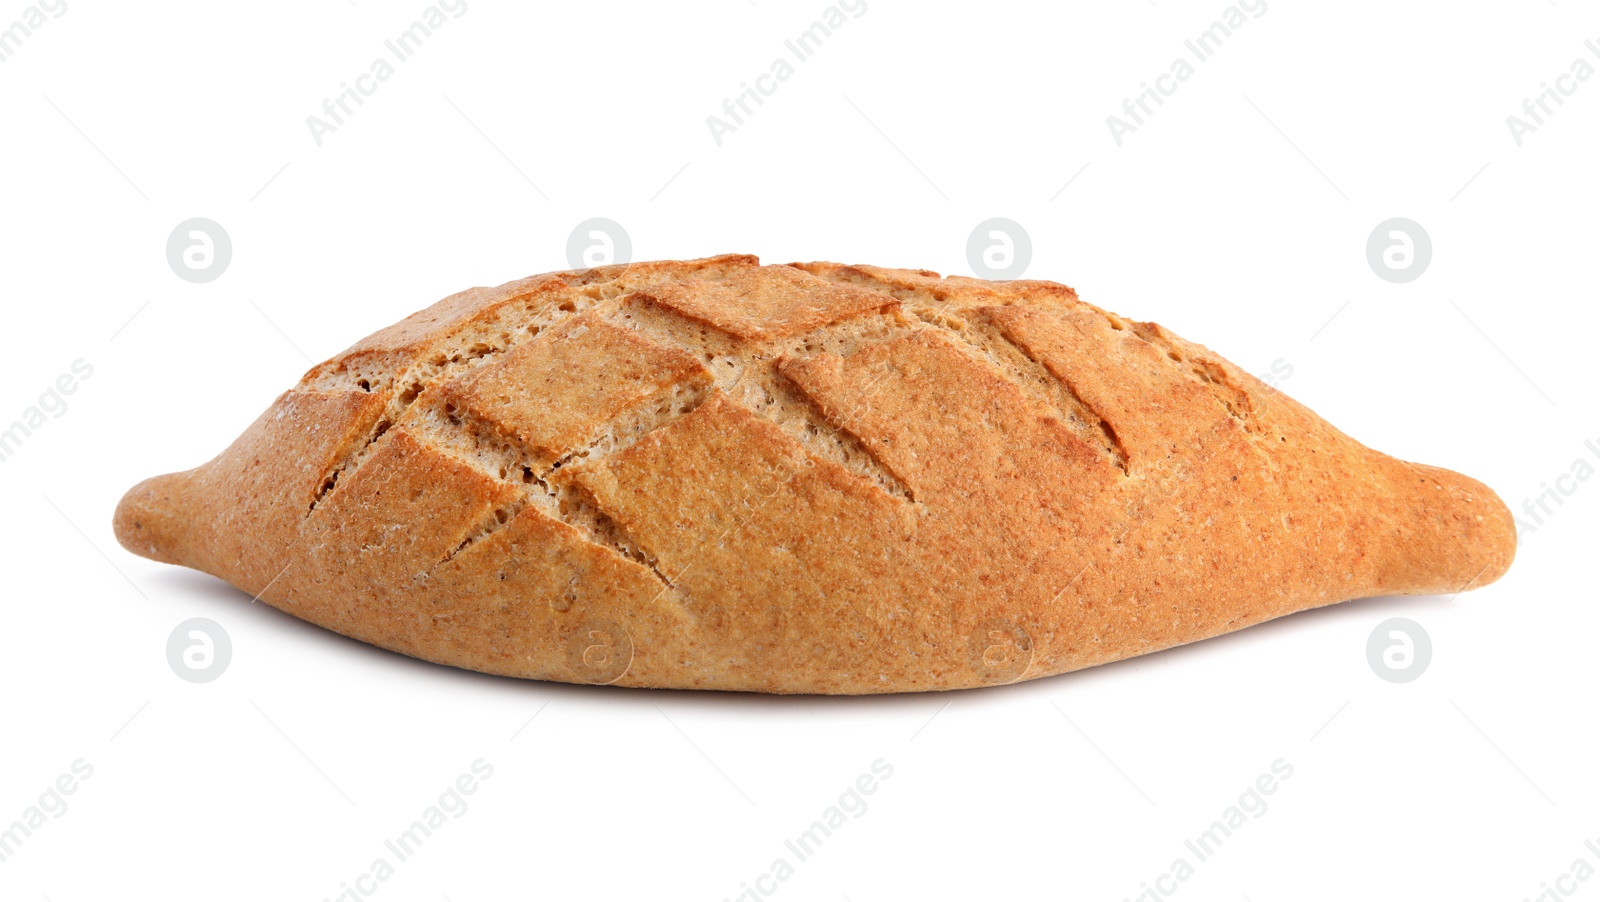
column 150, row 520
column 1456, row 534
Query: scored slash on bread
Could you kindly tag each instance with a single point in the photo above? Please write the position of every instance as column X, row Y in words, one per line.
column 812, row 478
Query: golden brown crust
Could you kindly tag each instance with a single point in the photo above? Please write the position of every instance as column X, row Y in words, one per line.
column 558, row 391
column 812, row 478
column 770, row 302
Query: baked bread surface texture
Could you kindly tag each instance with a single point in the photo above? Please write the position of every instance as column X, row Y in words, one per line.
column 812, row 478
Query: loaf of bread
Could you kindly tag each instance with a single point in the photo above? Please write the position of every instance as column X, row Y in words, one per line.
column 812, row 478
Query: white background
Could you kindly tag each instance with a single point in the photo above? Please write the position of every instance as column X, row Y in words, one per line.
column 1237, row 216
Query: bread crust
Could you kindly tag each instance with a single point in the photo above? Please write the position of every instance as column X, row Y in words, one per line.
column 813, row 478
